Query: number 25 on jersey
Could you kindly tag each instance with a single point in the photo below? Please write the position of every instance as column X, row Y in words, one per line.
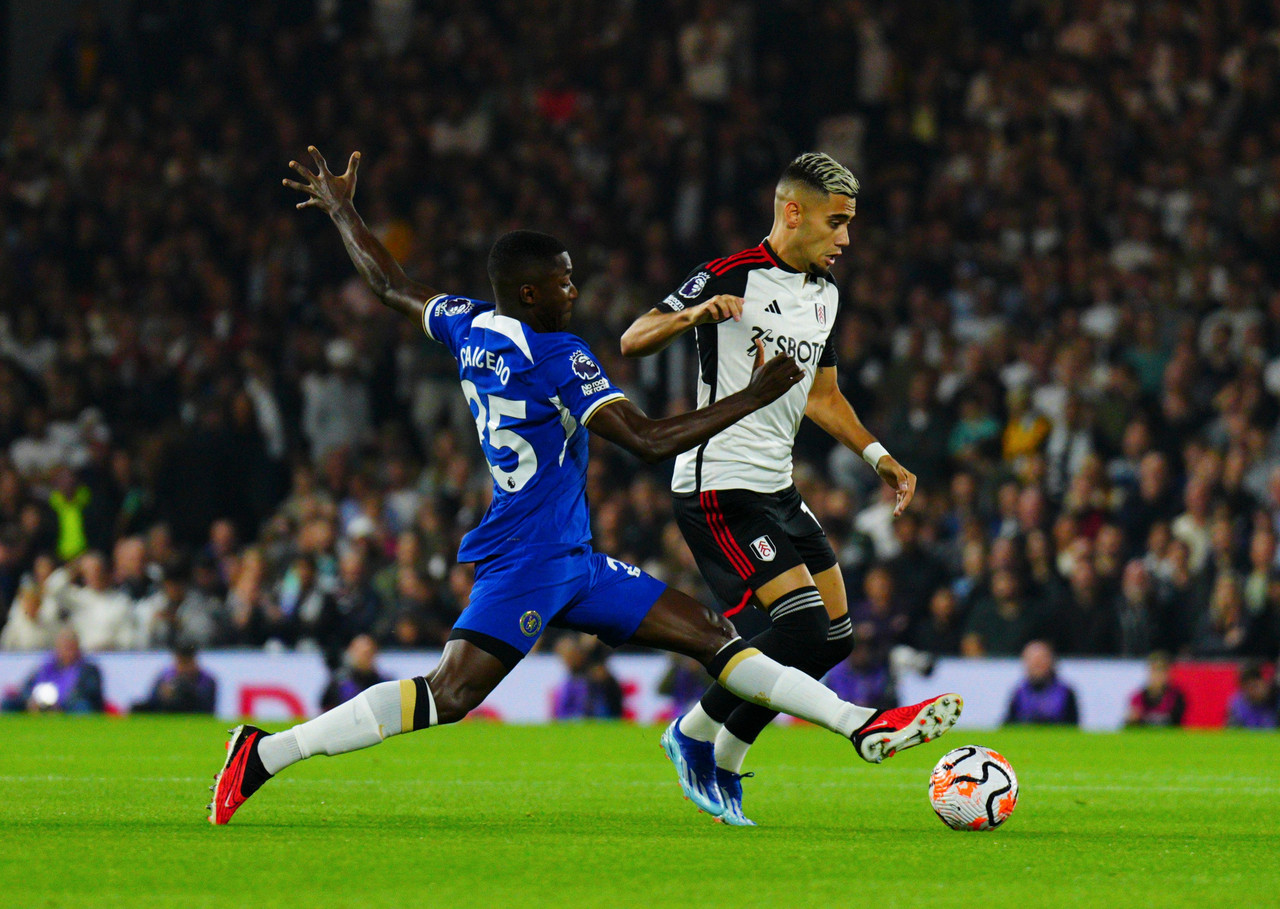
column 493, row 438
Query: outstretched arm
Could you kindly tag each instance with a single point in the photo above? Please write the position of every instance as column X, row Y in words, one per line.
column 625, row 425
column 334, row 195
column 657, row 328
column 829, row 408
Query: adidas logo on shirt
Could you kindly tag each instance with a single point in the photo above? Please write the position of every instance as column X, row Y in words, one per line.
column 774, row 308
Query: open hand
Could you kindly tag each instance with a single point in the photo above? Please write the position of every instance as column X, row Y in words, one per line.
column 326, row 191
column 772, row 380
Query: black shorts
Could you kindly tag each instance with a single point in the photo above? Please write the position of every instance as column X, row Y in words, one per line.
column 742, row 540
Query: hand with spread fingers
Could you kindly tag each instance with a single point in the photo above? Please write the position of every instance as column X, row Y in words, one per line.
column 327, row 192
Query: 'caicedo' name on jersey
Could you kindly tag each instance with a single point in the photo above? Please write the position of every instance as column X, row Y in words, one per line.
column 789, row 312
column 479, row 358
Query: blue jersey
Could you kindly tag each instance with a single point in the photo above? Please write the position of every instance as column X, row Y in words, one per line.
column 530, row 392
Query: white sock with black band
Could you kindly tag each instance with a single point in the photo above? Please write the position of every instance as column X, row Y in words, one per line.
column 754, row 677
column 383, row 710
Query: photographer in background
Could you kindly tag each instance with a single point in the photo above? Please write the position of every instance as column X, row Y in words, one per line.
column 66, row 683
column 182, row 688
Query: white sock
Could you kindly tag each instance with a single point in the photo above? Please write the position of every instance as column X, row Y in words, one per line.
column 754, row 677
column 697, row 725
column 731, row 751
column 365, row 720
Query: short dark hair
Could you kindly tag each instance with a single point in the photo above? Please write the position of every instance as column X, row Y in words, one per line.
column 517, row 256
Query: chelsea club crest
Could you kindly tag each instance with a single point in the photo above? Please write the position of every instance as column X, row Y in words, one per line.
column 530, row 624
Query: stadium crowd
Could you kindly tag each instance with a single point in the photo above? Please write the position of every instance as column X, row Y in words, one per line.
column 1060, row 306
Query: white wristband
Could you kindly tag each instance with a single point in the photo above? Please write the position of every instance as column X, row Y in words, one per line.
column 873, row 453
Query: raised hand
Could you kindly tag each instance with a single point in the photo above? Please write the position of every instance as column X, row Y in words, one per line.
column 772, row 380
column 326, row 191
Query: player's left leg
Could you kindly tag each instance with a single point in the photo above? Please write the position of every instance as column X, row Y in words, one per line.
column 459, row 683
column 747, row 721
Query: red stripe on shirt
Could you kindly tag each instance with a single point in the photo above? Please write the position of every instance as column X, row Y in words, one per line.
column 735, row 261
column 716, row 263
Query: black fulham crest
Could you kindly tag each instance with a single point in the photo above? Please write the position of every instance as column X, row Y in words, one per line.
column 820, row 311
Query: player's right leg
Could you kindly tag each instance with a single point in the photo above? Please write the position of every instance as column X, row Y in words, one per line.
column 511, row 601
column 460, row 682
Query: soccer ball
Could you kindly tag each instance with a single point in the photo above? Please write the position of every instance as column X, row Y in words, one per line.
column 973, row 788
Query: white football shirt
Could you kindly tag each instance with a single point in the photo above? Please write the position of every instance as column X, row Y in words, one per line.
column 789, row 312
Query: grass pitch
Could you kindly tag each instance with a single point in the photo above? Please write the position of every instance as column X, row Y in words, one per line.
column 105, row 812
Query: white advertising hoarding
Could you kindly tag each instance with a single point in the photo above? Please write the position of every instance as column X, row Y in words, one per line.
column 279, row 686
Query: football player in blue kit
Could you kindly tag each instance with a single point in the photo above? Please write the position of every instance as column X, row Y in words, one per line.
column 534, row 390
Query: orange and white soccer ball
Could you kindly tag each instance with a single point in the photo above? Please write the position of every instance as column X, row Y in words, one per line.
column 973, row 788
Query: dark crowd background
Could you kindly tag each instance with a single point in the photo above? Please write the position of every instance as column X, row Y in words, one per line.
column 1060, row 306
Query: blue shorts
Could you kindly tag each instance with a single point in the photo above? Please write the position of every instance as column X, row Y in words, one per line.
column 515, row 597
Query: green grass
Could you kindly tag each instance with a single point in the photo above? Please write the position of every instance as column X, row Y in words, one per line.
column 99, row 812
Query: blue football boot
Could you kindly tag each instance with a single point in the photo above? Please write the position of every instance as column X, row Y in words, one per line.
column 695, row 764
column 730, row 784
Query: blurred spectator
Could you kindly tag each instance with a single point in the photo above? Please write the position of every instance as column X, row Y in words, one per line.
column 1224, row 628
column 336, row 410
column 1026, row 430
column 590, row 691
column 916, row 573
column 878, row 620
column 1041, row 697
column 1139, row 612
column 1256, row 705
column 303, row 612
column 942, row 630
column 179, row 614
column 1159, row 702
column 32, row 622
column 83, row 598
column 1002, row 622
column 67, row 682
column 357, row 603
column 248, row 603
column 182, row 688
column 1087, row 623
column 359, row 671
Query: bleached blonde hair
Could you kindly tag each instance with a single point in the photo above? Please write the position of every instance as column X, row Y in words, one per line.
column 820, row 172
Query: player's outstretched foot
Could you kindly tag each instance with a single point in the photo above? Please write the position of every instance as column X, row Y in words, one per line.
column 730, row 784
column 241, row 775
column 695, row 764
column 891, row 731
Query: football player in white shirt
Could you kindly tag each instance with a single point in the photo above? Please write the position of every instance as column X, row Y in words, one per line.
column 754, row 538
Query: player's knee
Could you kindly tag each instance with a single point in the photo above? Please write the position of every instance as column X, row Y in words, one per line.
column 718, row 632
column 801, row 619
